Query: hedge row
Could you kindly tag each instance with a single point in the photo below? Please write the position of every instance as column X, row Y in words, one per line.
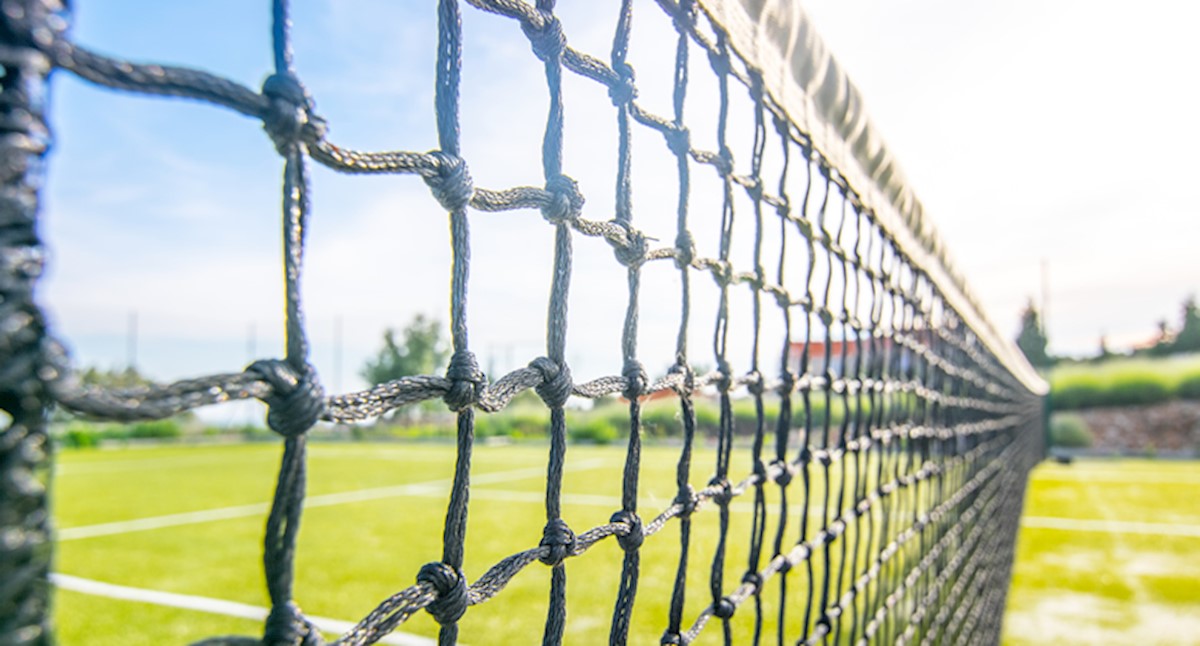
column 84, row 435
column 608, row 421
column 1126, row 389
column 1070, row 431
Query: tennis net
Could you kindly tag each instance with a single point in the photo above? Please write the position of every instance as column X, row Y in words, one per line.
column 887, row 406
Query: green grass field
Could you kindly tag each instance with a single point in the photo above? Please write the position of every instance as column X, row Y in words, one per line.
column 1107, row 555
column 1131, row 576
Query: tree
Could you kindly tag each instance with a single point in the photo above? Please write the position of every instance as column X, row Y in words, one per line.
column 1188, row 337
column 1032, row 339
column 1105, row 353
column 115, row 379
column 420, row 351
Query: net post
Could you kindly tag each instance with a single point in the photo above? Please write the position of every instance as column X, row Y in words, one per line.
column 30, row 358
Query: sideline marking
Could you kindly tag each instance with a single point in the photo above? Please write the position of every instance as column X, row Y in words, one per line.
column 1110, row 526
column 430, row 488
column 212, row 606
column 1084, row 476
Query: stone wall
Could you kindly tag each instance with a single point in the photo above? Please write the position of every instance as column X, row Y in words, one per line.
column 1171, row 426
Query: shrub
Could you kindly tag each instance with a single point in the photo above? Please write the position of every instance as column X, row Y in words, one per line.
column 1188, row 387
column 1069, row 431
column 614, row 413
column 406, row 432
column 253, row 432
column 529, row 422
column 595, row 431
column 1081, row 391
column 1136, row 389
column 497, row 424
column 661, row 420
column 517, row 422
column 80, row 436
column 156, row 429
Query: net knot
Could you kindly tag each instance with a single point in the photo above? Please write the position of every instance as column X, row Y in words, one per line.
column 623, row 90
column 450, row 585
column 296, row 401
column 756, row 189
column 724, row 493
column 688, row 383
column 632, row 252
column 753, row 578
column 565, row 203
column 755, row 383
column 547, row 40
column 671, row 639
column 632, row 540
column 450, row 182
column 686, row 499
column 560, row 541
column 787, row 382
column 636, row 380
column 724, row 161
column 722, row 272
column 782, row 298
column 784, row 476
column 723, row 608
column 782, row 125
column 685, row 249
column 725, row 376
column 556, row 384
column 784, row 208
column 718, row 58
column 287, row 626
column 824, row 625
column 684, row 15
column 466, row 381
column 289, row 118
column 679, row 140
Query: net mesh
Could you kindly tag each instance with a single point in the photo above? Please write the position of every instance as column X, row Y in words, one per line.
column 886, row 412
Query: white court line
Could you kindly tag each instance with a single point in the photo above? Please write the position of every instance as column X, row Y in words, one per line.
column 212, row 606
column 213, row 454
column 1110, row 526
column 430, row 488
column 1116, row 476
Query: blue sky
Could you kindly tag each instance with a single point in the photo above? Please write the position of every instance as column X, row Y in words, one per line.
column 1030, row 130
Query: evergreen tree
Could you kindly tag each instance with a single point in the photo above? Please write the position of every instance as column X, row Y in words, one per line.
column 1105, row 353
column 1032, row 339
column 1188, row 337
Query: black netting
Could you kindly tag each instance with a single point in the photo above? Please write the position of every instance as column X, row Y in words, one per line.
column 893, row 423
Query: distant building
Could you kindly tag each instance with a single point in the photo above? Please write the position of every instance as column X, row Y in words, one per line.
column 844, row 355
